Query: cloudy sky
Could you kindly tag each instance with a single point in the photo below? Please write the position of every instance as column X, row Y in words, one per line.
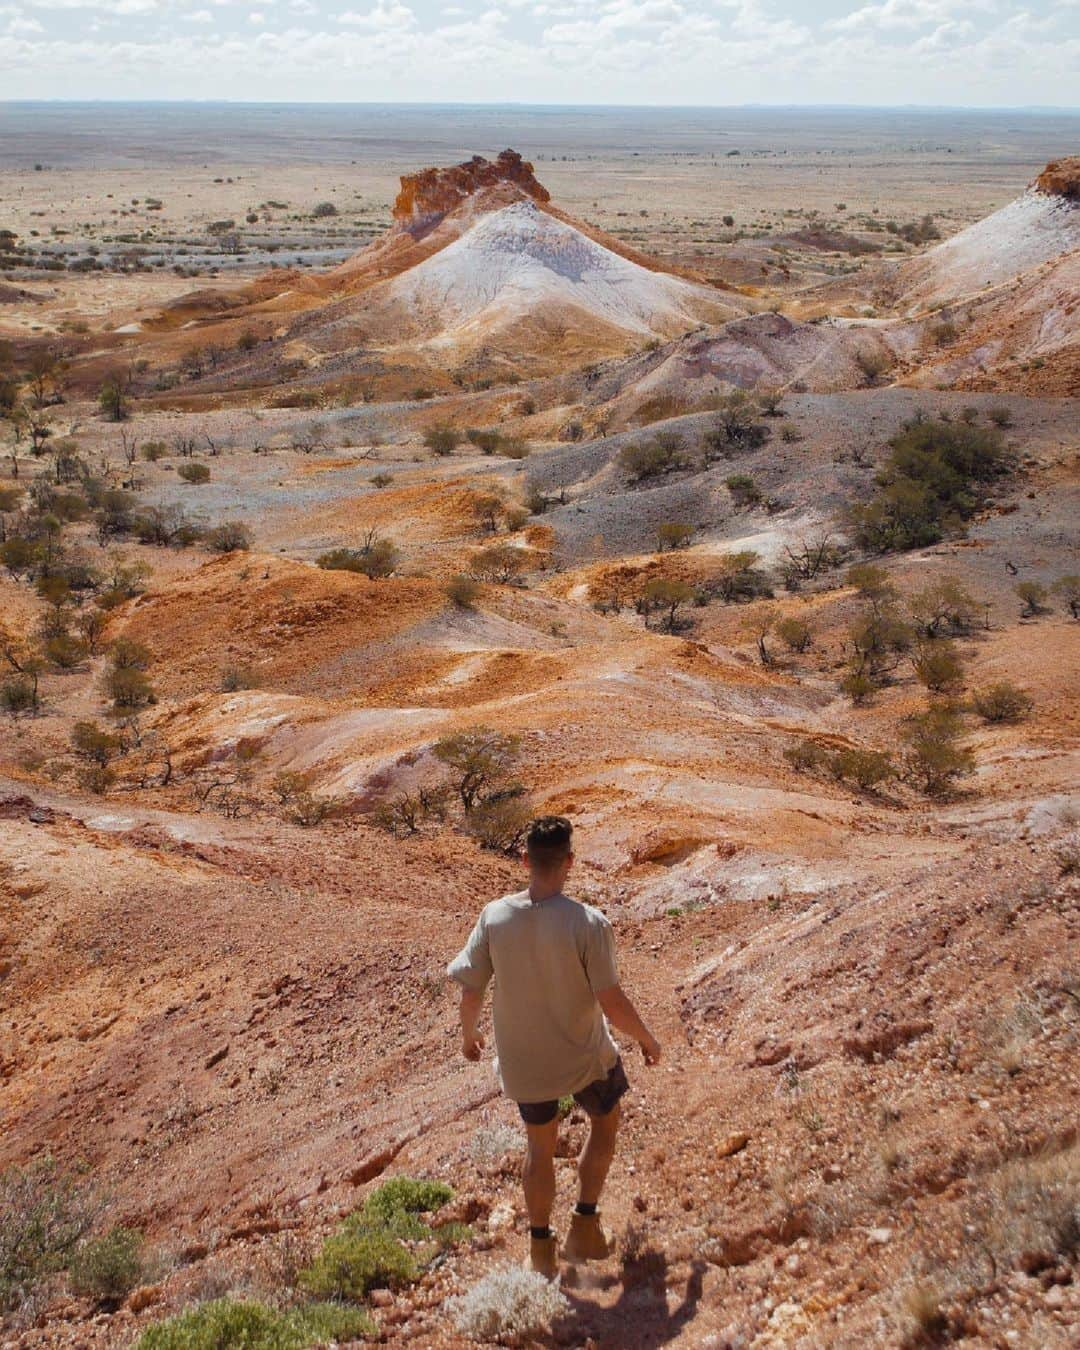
column 703, row 52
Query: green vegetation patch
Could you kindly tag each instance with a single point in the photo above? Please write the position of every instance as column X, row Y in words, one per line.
column 254, row 1326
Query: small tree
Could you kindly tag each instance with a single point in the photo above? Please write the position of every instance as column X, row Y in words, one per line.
column 442, row 440
column 935, row 757
column 795, row 633
column 500, row 562
column 1034, row 596
column 480, row 760
column 867, row 769
column 758, row 626
column 113, row 398
column 673, row 534
column 500, row 823
column 939, row 665
column 462, row 591
column 735, row 430
column 489, row 510
column 945, row 605
column 668, row 595
column 231, row 536
column 743, row 489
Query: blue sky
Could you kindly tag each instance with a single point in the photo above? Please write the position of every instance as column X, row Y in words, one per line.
column 711, row 52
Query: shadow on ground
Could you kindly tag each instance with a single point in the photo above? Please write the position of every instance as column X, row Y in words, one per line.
column 641, row 1317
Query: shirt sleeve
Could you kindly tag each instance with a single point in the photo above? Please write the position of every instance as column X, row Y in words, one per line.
column 599, row 956
column 472, row 966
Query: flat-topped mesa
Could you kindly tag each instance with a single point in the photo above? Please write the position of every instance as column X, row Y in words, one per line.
column 1061, row 178
column 431, row 193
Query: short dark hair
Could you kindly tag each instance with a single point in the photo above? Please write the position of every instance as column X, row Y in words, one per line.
column 548, row 841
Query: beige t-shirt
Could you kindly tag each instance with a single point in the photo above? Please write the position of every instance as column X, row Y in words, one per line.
column 549, row 958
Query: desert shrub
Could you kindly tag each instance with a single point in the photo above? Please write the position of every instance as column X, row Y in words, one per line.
column 377, row 560
column 231, row 536
column 441, row 441
column 488, row 508
column 480, row 761
column 795, row 633
column 108, row 1268
column 254, row 1326
column 89, row 741
column 516, row 517
column 1001, row 417
column 934, row 479
column 65, row 652
column 235, row 678
column 112, row 399
column 867, row 769
column 381, row 480
column 737, row 577
column 806, row 757
column 193, row 472
column 486, row 439
column 500, row 823
column 1034, row 595
column 18, row 694
column 323, row 210
column 127, row 688
column 513, row 447
column 858, row 685
column 43, row 1215
column 939, row 666
column 508, row 1303
column 402, row 1196
column 652, row 458
column 1002, row 702
column 406, row 813
column 1069, row 589
column 667, row 595
column 352, row 1263
column 309, row 809
column 743, row 489
column 462, row 591
column 935, row 757
column 493, row 1141
column 673, row 534
column 499, row 562
column 247, row 341
column 879, row 639
column 790, row 434
column 736, row 430
column 152, row 451
column 945, row 605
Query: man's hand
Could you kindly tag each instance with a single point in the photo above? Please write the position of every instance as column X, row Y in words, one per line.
column 471, row 1046
column 650, row 1048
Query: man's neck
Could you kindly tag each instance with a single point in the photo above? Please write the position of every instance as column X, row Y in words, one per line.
column 541, row 888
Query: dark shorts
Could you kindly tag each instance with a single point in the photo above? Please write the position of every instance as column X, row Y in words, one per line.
column 598, row 1098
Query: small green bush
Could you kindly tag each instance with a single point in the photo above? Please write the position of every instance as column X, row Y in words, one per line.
column 108, row 1268
column 865, row 768
column 193, row 472
column 652, row 458
column 462, row 591
column 42, row 1217
column 1002, row 702
column 404, row 1195
column 354, row 1261
column 253, row 1326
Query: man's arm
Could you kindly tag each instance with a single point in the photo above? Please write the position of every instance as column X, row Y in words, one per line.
column 622, row 1014
column 472, row 1001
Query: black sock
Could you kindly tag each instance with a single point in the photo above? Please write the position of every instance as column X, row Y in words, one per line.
column 583, row 1207
column 544, row 1232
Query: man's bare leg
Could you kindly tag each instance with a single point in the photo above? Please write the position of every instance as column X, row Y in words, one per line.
column 597, row 1154
column 538, row 1174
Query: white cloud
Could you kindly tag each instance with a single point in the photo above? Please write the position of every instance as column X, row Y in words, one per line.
column 386, row 16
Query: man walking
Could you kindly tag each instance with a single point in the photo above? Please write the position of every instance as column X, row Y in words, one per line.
column 556, row 989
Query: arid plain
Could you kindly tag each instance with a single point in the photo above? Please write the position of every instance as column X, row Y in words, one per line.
column 708, row 477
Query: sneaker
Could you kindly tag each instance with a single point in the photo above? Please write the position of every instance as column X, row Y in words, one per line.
column 586, row 1240
column 544, row 1256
